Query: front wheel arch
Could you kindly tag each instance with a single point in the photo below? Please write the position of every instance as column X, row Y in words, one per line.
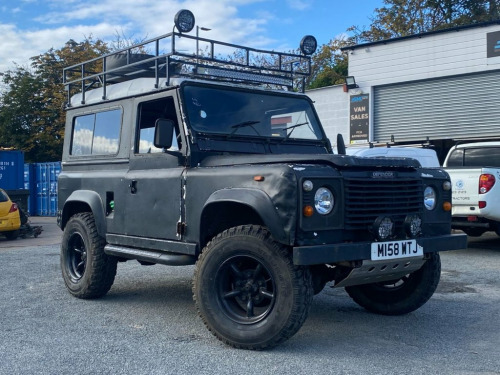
column 259, row 206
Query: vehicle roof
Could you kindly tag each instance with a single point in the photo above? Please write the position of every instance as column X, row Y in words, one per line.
column 140, row 86
column 479, row 144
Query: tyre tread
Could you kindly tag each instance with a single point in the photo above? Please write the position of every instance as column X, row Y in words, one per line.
column 102, row 267
column 303, row 290
column 430, row 272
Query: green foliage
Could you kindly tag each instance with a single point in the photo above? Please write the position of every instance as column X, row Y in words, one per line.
column 329, row 65
column 398, row 18
column 32, row 113
column 408, row 17
column 20, row 107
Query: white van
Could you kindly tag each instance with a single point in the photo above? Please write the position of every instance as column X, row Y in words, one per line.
column 427, row 157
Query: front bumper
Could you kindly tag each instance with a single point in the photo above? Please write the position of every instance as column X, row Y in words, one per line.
column 334, row 253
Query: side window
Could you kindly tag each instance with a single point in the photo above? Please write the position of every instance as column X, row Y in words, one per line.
column 482, row 157
column 456, row 158
column 3, row 197
column 149, row 112
column 96, row 133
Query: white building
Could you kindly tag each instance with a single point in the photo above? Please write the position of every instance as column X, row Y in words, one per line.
column 441, row 86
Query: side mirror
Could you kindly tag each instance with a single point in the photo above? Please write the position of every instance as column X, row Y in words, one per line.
column 164, row 132
column 340, row 144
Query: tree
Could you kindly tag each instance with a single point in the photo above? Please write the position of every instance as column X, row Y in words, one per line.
column 408, row 17
column 20, row 107
column 398, row 18
column 329, row 64
column 32, row 116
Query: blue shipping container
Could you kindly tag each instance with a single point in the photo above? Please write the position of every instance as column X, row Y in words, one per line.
column 41, row 180
column 31, row 186
column 11, row 170
column 46, row 175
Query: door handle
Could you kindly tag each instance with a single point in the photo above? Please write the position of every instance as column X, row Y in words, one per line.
column 133, row 186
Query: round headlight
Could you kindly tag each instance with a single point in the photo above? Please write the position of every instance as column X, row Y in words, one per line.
column 184, row 20
column 384, row 227
column 307, row 185
column 429, row 198
column 323, row 201
column 413, row 225
column 308, row 45
column 447, row 185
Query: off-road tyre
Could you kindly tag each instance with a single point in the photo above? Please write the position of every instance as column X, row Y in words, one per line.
column 87, row 271
column 400, row 296
column 247, row 290
column 11, row 235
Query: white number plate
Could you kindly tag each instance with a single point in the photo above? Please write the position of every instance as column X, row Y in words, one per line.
column 396, row 250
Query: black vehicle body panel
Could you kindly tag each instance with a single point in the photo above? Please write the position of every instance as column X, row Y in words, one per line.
column 175, row 202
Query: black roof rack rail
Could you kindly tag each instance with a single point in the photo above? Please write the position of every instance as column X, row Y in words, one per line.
column 172, row 55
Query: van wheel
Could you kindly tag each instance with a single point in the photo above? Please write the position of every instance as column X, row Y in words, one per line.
column 247, row 290
column 87, row 271
column 399, row 296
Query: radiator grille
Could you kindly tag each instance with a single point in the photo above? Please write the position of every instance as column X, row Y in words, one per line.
column 366, row 199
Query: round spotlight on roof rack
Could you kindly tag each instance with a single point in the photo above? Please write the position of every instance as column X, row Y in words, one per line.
column 308, row 45
column 184, row 20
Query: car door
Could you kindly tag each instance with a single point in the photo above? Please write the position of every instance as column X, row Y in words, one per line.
column 153, row 184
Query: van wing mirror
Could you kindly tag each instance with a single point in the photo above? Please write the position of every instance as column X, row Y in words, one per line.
column 340, row 144
column 164, row 131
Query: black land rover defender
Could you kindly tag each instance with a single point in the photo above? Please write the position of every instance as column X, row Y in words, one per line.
column 183, row 158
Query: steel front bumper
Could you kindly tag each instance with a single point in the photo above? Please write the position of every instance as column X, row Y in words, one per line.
column 334, row 253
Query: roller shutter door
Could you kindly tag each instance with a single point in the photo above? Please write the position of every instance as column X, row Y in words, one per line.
column 466, row 106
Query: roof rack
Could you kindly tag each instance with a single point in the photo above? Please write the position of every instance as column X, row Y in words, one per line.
column 172, row 55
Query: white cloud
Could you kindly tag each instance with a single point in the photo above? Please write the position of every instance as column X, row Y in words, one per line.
column 18, row 46
column 299, row 4
column 103, row 19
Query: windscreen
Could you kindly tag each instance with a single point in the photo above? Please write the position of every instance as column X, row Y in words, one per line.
column 233, row 112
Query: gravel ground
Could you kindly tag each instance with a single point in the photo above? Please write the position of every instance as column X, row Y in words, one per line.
column 147, row 324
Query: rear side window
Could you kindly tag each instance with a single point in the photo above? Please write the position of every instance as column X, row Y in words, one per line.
column 456, row 158
column 482, row 157
column 96, row 133
column 3, row 197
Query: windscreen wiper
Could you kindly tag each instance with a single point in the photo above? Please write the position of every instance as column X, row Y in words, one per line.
column 293, row 128
column 244, row 124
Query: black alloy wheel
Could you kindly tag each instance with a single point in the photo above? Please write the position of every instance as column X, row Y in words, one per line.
column 77, row 256
column 246, row 290
column 87, row 270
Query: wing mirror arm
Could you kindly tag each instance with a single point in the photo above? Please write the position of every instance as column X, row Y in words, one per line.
column 340, row 145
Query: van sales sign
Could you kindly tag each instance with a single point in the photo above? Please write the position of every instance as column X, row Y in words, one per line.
column 359, row 118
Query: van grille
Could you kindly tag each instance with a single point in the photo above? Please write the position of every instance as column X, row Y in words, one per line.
column 366, row 199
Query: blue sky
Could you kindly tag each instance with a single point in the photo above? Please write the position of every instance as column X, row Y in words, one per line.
column 31, row 27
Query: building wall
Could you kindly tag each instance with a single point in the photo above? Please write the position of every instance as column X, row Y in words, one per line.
column 448, row 71
column 332, row 106
column 419, row 58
